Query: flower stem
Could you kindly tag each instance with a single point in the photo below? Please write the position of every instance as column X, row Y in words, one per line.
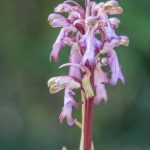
column 83, row 114
column 88, row 124
column 88, row 119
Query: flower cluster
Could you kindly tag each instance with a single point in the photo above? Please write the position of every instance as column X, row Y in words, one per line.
column 91, row 35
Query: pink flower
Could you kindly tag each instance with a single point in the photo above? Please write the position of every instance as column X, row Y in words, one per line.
column 69, row 103
column 59, row 43
column 90, row 33
column 115, row 68
column 57, row 20
column 112, row 8
column 113, row 64
column 91, row 44
column 70, row 7
column 100, row 80
column 75, row 57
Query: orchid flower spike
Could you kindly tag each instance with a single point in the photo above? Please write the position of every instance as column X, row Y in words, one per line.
column 91, row 34
column 90, row 31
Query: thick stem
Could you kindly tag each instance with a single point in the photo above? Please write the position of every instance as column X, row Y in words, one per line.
column 82, row 125
column 88, row 125
column 88, row 121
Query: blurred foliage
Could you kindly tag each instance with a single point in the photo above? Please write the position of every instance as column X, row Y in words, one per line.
column 29, row 114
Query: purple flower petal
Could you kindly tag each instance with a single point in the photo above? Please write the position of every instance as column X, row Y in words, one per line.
column 75, row 57
column 115, row 68
column 113, row 64
column 109, row 31
column 60, row 23
column 90, row 43
column 69, row 103
column 57, row 20
column 67, row 113
column 55, row 52
column 59, row 43
column 100, row 78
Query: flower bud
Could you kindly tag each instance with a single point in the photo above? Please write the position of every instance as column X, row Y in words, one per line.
column 112, row 7
column 124, row 40
column 115, row 22
column 91, row 21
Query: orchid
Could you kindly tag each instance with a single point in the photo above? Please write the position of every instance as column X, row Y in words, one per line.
column 91, row 34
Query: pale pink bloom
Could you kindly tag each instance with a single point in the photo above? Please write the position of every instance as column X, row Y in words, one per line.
column 115, row 67
column 113, row 63
column 100, row 80
column 70, row 7
column 92, row 45
column 59, row 43
column 105, row 24
column 90, row 33
column 75, row 57
column 109, row 8
column 69, row 103
column 107, row 28
column 57, row 20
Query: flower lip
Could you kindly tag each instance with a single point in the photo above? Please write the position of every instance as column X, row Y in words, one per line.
column 99, row 79
column 67, row 113
column 69, row 104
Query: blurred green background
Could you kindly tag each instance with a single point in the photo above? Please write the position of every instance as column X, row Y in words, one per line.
column 29, row 114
